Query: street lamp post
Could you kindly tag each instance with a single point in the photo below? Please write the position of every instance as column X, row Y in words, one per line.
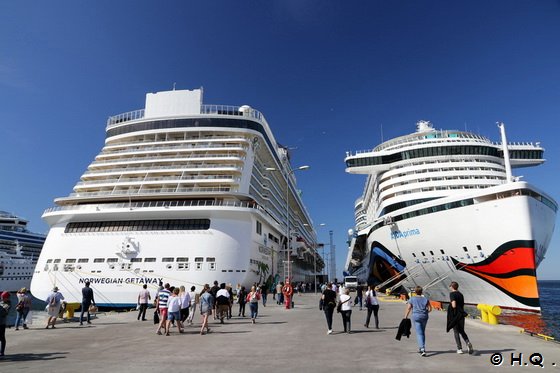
column 287, row 174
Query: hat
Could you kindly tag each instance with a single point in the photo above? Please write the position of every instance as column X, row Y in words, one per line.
column 55, row 289
column 5, row 295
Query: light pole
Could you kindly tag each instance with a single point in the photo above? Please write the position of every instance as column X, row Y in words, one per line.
column 287, row 174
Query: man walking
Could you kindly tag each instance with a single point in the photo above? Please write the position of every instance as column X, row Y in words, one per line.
column 456, row 317
column 144, row 298
column 162, row 298
column 87, row 300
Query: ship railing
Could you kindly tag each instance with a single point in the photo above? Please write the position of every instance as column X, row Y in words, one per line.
column 155, row 204
column 232, row 110
column 245, row 111
column 170, row 157
column 229, row 178
column 143, row 168
column 189, row 146
column 397, row 275
column 154, row 191
column 442, row 277
column 519, row 144
column 125, row 117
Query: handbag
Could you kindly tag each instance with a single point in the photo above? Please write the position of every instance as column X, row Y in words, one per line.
column 321, row 304
column 92, row 309
column 156, row 317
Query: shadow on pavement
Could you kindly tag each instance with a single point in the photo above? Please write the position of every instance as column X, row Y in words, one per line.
column 32, row 357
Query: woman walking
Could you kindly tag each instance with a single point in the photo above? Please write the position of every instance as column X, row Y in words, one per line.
column 253, row 299
column 4, row 310
column 242, row 300
column 195, row 299
column 185, row 300
column 206, row 306
column 420, row 307
column 346, row 310
column 329, row 304
column 22, row 307
column 372, row 305
column 53, row 301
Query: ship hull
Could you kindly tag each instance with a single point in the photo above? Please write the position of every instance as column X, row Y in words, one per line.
column 230, row 251
column 491, row 248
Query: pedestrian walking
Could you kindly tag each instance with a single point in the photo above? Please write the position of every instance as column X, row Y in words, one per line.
column 206, row 306
column 222, row 302
column 144, row 298
column 359, row 296
column 194, row 301
column 264, row 294
column 242, row 301
column 54, row 301
column 456, row 317
column 372, row 305
column 253, row 299
column 87, row 300
column 185, row 300
column 4, row 310
column 420, row 307
column 22, row 308
column 174, row 311
column 280, row 299
column 329, row 304
column 345, row 302
column 161, row 306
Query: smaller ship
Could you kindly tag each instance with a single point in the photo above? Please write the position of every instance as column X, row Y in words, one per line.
column 19, row 251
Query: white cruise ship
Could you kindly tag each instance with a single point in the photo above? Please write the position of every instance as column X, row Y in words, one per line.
column 183, row 193
column 441, row 206
column 19, row 251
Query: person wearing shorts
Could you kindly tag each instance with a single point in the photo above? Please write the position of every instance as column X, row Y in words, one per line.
column 174, row 311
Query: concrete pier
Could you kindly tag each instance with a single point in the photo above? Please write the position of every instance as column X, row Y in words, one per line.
column 281, row 341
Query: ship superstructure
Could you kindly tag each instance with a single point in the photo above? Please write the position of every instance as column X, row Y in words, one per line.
column 441, row 206
column 184, row 193
column 19, row 251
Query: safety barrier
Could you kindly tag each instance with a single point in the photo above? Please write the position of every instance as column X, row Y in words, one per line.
column 489, row 313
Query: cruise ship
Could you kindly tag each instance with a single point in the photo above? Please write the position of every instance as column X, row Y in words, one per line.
column 443, row 205
column 19, row 251
column 181, row 193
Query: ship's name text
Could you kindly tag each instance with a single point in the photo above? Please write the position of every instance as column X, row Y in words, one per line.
column 121, row 280
column 405, row 234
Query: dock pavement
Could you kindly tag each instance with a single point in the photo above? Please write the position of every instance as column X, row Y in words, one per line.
column 282, row 340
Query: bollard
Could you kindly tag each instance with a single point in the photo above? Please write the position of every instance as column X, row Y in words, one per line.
column 70, row 308
column 483, row 312
column 489, row 313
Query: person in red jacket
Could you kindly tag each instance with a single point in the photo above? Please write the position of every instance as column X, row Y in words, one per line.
column 288, row 291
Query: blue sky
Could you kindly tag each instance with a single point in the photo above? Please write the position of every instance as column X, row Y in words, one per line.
column 328, row 75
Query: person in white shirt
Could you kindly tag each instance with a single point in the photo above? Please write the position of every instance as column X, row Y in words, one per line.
column 194, row 301
column 144, row 298
column 185, row 300
column 174, row 311
column 222, row 302
column 372, row 305
column 346, row 309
